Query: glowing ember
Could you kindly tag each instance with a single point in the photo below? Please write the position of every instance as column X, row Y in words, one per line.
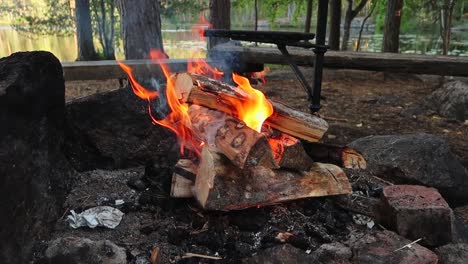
column 278, row 144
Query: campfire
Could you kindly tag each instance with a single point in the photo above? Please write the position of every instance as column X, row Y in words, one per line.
column 240, row 149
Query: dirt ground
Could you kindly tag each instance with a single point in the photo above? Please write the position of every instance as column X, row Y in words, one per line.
column 357, row 104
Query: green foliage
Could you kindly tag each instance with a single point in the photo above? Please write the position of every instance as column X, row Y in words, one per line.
column 185, row 11
column 54, row 18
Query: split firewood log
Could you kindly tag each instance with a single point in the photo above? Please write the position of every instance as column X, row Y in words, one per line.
column 342, row 156
column 183, row 178
column 289, row 152
column 244, row 146
column 220, row 185
column 212, row 94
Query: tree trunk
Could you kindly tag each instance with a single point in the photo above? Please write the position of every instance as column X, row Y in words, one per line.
column 141, row 27
column 446, row 15
column 335, row 23
column 350, row 15
column 220, row 18
column 308, row 16
column 391, row 36
column 347, row 25
column 84, row 33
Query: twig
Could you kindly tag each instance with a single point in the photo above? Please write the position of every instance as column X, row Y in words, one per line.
column 329, row 118
column 66, row 211
column 191, row 255
column 409, row 245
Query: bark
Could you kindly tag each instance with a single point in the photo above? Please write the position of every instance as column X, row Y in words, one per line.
column 220, row 18
column 391, row 35
column 335, row 24
column 84, row 32
column 350, row 15
column 221, row 186
column 345, row 157
column 289, row 152
column 141, row 27
column 308, row 19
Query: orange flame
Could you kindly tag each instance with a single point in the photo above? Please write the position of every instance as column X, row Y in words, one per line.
column 260, row 75
column 199, row 29
column 255, row 109
column 200, row 66
column 178, row 119
column 278, row 144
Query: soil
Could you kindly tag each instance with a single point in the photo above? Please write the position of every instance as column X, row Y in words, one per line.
column 357, row 104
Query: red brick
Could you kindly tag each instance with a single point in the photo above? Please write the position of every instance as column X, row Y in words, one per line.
column 417, row 212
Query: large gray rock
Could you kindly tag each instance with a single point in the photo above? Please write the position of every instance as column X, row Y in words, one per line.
column 453, row 254
column 79, row 250
column 416, row 159
column 34, row 175
column 450, row 101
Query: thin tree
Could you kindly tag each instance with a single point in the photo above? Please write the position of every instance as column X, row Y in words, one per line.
column 335, row 24
column 103, row 13
column 220, row 18
column 391, row 35
column 349, row 16
column 141, row 27
column 445, row 18
column 358, row 45
column 308, row 16
column 84, row 33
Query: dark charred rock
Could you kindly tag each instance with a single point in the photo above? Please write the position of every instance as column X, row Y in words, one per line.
column 416, row 159
column 453, row 254
column 176, row 236
column 79, row 250
column 113, row 130
column 35, row 176
column 385, row 247
column 250, row 219
column 333, row 253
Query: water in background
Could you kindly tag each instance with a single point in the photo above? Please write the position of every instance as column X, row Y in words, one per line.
column 181, row 43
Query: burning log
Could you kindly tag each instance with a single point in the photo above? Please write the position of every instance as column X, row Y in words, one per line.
column 289, row 152
column 220, row 185
column 342, row 156
column 244, row 146
column 220, row 96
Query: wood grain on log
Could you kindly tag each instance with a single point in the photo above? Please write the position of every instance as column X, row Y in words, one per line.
column 222, row 186
column 242, row 145
column 183, row 178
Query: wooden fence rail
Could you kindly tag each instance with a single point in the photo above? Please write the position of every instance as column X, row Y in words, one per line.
column 390, row 62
